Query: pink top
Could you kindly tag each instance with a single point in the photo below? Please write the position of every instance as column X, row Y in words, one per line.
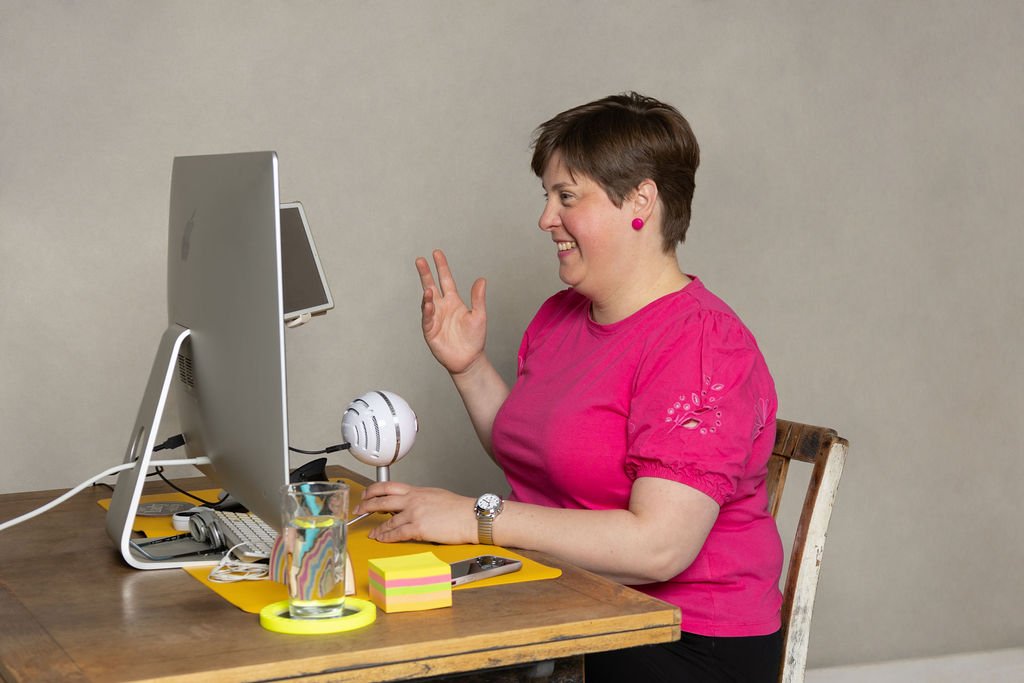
column 679, row 391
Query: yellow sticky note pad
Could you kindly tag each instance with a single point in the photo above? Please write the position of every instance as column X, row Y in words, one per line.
column 410, row 582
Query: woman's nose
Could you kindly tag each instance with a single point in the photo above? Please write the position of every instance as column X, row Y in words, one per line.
column 548, row 218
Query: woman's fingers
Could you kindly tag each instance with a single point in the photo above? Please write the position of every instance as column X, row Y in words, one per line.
column 382, row 497
column 392, row 530
column 390, row 497
column 426, row 277
column 444, row 274
column 478, row 296
column 419, row 513
column 427, row 309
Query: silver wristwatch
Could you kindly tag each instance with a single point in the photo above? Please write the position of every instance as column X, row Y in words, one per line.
column 488, row 506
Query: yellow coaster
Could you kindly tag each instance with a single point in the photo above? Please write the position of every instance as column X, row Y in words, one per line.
column 358, row 613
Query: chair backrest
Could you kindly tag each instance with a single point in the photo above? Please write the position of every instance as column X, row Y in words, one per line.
column 826, row 451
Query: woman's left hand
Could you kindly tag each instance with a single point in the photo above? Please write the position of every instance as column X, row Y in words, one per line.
column 420, row 514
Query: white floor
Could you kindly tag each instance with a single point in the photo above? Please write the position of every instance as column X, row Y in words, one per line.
column 1000, row 666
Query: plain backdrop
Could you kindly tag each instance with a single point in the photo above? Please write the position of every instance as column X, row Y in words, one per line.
column 858, row 203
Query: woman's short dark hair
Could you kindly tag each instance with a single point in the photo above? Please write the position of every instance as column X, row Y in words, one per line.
column 620, row 141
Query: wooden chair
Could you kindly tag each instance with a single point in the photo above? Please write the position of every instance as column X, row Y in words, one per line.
column 826, row 451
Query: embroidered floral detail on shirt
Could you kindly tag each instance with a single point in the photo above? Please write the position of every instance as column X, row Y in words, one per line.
column 699, row 412
column 760, row 416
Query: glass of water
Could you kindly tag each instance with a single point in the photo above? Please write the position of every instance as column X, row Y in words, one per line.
column 313, row 528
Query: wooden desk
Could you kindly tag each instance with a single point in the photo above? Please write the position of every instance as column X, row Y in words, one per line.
column 71, row 610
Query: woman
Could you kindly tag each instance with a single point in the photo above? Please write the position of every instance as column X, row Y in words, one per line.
column 636, row 436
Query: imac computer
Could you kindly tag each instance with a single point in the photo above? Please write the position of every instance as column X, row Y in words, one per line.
column 234, row 255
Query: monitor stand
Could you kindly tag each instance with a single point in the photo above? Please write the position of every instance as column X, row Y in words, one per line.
column 145, row 553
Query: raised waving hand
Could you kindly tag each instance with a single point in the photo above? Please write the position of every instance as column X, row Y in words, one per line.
column 455, row 333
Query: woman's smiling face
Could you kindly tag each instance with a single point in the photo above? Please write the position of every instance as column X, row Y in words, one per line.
column 590, row 232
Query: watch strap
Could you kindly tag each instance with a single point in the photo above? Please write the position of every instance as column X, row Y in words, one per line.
column 485, row 529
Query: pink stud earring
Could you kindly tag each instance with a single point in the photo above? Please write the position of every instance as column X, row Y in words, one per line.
column 638, row 223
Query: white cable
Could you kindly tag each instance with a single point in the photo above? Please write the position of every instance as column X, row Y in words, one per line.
column 229, row 570
column 89, row 482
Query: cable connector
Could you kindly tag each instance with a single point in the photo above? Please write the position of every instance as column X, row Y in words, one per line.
column 176, row 441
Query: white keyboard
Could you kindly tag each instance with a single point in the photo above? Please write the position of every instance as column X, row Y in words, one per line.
column 243, row 527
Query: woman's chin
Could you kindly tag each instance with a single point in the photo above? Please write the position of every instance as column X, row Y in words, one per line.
column 568, row 279
column 569, row 273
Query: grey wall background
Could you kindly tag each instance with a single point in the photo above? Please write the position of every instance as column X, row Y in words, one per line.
column 858, row 204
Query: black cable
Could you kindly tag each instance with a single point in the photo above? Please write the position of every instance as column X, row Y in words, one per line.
column 176, row 441
column 159, row 471
column 330, row 449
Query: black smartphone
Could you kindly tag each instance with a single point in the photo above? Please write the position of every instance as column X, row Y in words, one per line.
column 482, row 567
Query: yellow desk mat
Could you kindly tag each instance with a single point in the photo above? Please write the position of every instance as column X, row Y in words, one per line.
column 252, row 596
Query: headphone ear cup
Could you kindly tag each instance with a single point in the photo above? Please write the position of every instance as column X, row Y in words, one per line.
column 197, row 527
column 203, row 527
column 215, row 539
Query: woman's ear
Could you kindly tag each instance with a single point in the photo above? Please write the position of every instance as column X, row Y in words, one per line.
column 644, row 197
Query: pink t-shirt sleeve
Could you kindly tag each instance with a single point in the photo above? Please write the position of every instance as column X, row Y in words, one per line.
column 699, row 402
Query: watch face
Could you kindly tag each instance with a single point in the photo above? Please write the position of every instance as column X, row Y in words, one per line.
column 488, row 503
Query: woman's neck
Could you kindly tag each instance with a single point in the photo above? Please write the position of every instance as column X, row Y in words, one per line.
column 647, row 286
